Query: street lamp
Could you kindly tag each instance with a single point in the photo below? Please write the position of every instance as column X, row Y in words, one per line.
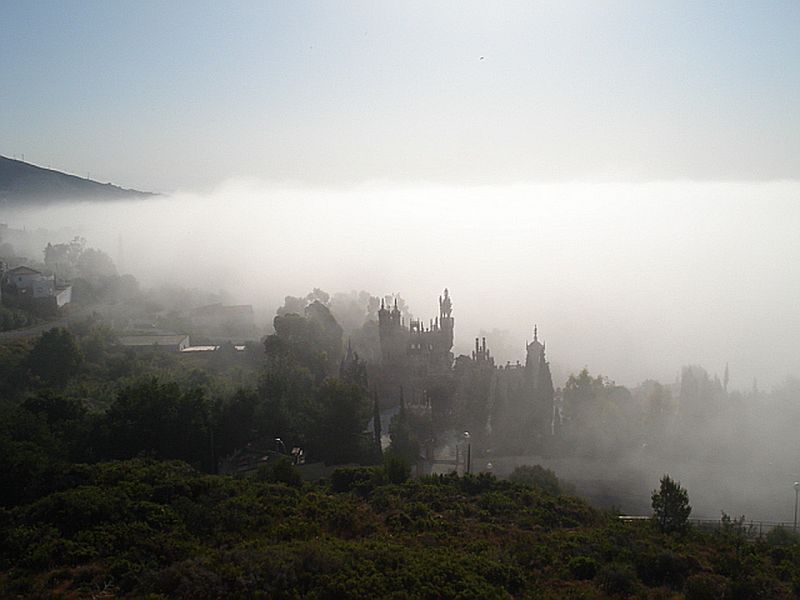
column 796, row 490
column 466, row 438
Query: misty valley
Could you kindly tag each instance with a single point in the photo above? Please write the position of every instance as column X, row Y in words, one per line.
column 362, row 300
column 348, row 430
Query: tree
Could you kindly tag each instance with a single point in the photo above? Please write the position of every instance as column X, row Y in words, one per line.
column 55, row 357
column 151, row 417
column 313, row 340
column 376, row 428
column 403, row 442
column 671, row 508
column 342, row 415
column 538, row 477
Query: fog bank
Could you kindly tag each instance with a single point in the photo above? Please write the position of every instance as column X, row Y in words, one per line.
column 632, row 280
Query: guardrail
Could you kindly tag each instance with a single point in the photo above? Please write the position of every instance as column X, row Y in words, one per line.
column 751, row 529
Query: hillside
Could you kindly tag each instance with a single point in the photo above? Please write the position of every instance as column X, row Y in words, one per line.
column 147, row 529
column 22, row 184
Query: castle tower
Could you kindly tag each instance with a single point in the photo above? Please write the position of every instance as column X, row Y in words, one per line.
column 446, row 321
column 393, row 338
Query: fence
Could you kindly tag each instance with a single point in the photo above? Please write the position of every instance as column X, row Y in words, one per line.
column 751, row 529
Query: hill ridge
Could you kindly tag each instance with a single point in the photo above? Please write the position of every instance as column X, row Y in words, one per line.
column 23, row 183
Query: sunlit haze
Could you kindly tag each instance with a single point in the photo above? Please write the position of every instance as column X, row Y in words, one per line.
column 631, row 280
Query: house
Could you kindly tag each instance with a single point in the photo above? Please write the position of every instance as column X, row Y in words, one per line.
column 27, row 287
column 166, row 342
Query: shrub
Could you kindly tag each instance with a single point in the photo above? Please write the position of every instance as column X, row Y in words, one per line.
column 583, row 567
column 280, row 471
column 538, row 477
column 397, row 469
column 781, row 536
column 705, row 586
column 661, row 567
column 616, row 579
column 360, row 480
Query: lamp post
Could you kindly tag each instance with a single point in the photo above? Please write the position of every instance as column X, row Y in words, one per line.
column 466, row 438
column 796, row 490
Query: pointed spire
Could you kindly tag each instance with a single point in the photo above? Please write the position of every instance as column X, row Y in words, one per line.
column 535, row 333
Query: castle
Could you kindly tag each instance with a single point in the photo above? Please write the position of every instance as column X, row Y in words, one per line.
column 509, row 400
column 418, row 349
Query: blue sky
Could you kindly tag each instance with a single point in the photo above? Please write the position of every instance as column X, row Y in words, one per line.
column 184, row 95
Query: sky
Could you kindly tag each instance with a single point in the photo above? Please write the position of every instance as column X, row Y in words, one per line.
column 185, row 95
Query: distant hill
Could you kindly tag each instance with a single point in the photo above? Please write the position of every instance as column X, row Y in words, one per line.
column 23, row 184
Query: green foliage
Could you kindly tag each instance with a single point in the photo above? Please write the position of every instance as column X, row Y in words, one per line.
column 14, row 318
column 144, row 528
column 404, row 443
column 583, row 567
column 280, row 471
column 705, row 586
column 342, row 413
column 55, row 357
column 671, row 507
column 397, row 470
column 616, row 579
column 361, row 480
column 782, row 536
column 661, row 566
column 312, row 340
column 538, row 477
column 151, row 417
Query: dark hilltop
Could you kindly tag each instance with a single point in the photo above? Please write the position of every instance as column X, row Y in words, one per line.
column 24, row 184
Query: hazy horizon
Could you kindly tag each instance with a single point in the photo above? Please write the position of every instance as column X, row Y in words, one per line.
column 632, row 280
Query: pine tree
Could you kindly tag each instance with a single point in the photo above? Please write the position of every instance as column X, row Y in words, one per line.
column 404, row 443
column 376, row 428
column 671, row 508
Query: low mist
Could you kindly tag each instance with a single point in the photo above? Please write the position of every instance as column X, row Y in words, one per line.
column 630, row 280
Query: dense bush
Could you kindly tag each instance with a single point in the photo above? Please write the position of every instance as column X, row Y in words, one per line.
column 781, row 536
column 142, row 527
column 538, row 477
column 705, row 586
column 280, row 471
column 583, row 567
column 616, row 579
column 361, row 480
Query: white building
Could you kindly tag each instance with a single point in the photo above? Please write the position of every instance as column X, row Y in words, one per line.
column 161, row 341
column 26, row 286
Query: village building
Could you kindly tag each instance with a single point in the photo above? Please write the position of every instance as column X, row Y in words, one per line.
column 25, row 287
column 166, row 342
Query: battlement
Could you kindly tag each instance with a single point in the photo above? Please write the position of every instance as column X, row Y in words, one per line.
column 417, row 347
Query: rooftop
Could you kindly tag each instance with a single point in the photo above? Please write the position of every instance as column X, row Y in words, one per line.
column 152, row 340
